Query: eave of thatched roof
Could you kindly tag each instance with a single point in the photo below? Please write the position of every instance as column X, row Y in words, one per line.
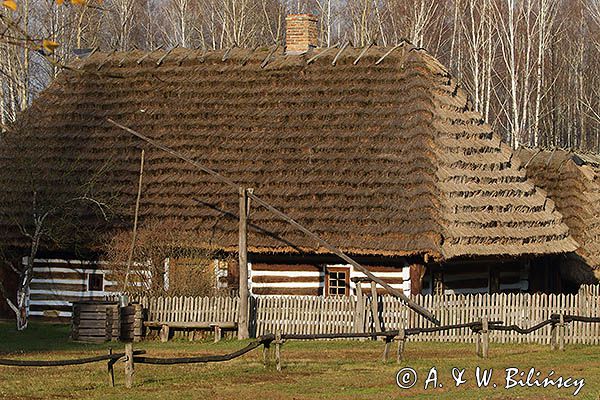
column 572, row 180
column 385, row 158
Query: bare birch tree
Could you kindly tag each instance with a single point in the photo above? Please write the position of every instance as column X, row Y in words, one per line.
column 52, row 216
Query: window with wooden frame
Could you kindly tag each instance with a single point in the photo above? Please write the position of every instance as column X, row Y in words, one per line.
column 337, row 281
column 95, row 282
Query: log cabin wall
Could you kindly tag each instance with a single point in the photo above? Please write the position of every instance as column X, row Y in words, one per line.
column 57, row 283
column 469, row 277
column 318, row 279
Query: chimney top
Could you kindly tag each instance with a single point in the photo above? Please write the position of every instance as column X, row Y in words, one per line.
column 301, row 33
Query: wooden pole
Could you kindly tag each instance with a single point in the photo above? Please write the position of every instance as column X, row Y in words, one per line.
column 278, row 344
column 243, row 265
column 485, row 338
column 164, row 333
column 553, row 337
column 359, row 322
column 218, row 333
column 561, row 333
column 111, row 370
column 401, row 338
column 375, row 307
column 478, row 343
column 135, row 222
column 129, row 367
column 266, row 354
column 386, row 350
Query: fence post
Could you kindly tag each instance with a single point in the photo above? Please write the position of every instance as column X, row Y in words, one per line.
column 386, row 349
column 485, row 338
column 359, row 320
column 478, row 342
column 561, row 333
column 401, row 340
column 278, row 344
column 553, row 337
column 164, row 333
column 375, row 307
column 129, row 367
column 111, row 370
column 266, row 354
column 218, row 334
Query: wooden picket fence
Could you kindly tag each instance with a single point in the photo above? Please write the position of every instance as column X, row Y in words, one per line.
column 322, row 315
column 304, row 314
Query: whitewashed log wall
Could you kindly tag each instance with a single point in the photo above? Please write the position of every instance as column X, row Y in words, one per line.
column 309, row 280
column 56, row 284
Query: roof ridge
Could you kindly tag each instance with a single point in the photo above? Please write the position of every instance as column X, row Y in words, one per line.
column 177, row 55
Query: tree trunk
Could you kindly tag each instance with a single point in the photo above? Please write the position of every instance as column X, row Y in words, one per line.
column 22, row 313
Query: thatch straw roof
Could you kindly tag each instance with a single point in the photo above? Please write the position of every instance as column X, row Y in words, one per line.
column 385, row 158
column 572, row 180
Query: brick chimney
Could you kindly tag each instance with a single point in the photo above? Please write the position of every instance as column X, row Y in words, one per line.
column 301, row 33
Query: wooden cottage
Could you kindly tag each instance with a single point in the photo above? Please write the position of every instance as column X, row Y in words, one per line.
column 572, row 181
column 378, row 150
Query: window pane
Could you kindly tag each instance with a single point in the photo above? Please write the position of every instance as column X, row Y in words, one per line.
column 95, row 282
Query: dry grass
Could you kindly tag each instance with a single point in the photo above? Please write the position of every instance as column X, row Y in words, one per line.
column 315, row 370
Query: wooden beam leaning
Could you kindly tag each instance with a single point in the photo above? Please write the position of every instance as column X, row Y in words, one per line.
column 339, row 53
column 323, row 52
column 395, row 292
column 161, row 59
column 388, row 53
column 363, row 52
column 226, row 54
column 268, row 57
column 248, row 56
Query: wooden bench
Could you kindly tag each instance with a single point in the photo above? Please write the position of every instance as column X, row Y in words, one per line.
column 165, row 327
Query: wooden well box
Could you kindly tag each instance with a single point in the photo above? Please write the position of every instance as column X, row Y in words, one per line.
column 95, row 321
column 131, row 323
column 102, row 321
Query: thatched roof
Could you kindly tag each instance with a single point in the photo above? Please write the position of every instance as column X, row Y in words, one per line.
column 572, row 180
column 385, row 158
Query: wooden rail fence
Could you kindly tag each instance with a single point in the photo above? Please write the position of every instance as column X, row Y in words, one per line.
column 329, row 315
column 480, row 329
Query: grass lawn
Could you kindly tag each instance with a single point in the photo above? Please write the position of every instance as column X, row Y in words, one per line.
column 311, row 370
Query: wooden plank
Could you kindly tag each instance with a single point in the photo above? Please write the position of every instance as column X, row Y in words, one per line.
column 375, row 307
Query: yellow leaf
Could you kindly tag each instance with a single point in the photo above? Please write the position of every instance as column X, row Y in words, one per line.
column 49, row 45
column 78, row 2
column 10, row 4
column 59, row 2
